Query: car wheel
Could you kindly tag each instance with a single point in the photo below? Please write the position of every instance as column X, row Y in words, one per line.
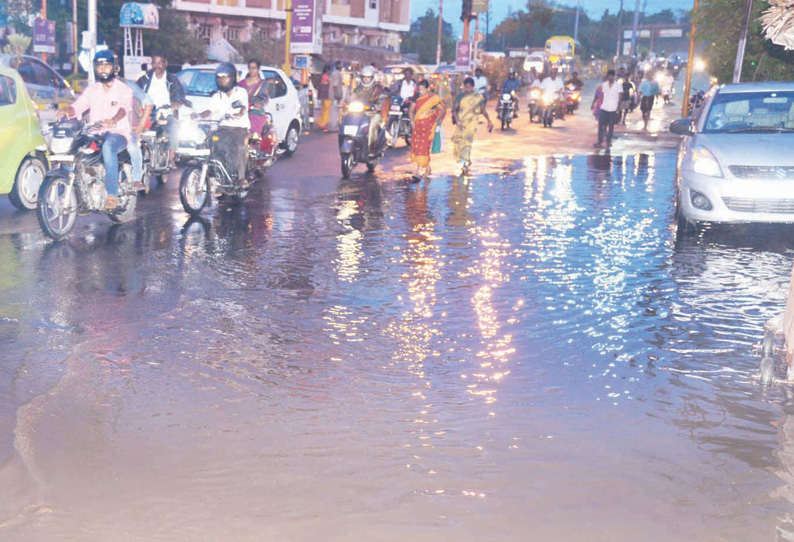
column 684, row 226
column 291, row 141
column 25, row 193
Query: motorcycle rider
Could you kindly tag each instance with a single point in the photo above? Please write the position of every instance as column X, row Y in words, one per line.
column 511, row 86
column 575, row 81
column 165, row 89
column 110, row 102
column 134, row 145
column 229, row 104
column 407, row 89
column 373, row 95
column 553, row 85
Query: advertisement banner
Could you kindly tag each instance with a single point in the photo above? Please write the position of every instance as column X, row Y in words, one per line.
column 306, row 31
column 43, row 36
column 137, row 15
column 463, row 56
column 479, row 6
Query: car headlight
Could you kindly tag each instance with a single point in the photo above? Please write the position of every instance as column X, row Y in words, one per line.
column 356, row 107
column 703, row 162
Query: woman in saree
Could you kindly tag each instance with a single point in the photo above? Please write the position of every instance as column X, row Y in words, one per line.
column 323, row 94
column 469, row 105
column 427, row 112
column 257, row 96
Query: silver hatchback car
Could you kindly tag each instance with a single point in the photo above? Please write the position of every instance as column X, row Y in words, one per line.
column 736, row 159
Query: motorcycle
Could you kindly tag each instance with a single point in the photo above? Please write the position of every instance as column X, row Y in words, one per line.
column 399, row 123
column 205, row 175
column 76, row 183
column 505, row 109
column 155, row 148
column 354, row 140
column 535, row 96
column 572, row 99
column 551, row 107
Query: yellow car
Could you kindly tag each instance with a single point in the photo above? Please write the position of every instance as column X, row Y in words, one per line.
column 23, row 161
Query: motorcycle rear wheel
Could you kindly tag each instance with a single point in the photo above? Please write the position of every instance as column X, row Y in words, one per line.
column 348, row 163
column 192, row 194
column 56, row 212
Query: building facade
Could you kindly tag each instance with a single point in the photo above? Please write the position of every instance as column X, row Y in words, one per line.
column 373, row 23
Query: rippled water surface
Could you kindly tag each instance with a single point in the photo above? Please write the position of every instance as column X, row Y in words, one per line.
column 528, row 354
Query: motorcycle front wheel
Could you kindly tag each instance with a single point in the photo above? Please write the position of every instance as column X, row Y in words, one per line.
column 193, row 192
column 348, row 163
column 57, row 207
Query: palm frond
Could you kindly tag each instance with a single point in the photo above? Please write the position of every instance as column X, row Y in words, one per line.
column 778, row 22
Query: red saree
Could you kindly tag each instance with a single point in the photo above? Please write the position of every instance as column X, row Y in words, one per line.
column 427, row 114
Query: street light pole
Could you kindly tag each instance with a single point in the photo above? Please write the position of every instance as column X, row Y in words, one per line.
column 737, row 68
column 576, row 23
column 288, row 24
column 93, row 37
column 440, row 30
column 620, row 31
column 636, row 24
column 689, row 63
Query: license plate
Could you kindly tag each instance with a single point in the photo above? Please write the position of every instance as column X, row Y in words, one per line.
column 351, row 130
column 396, row 108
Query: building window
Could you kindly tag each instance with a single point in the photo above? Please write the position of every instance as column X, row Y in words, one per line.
column 263, row 34
column 204, row 33
column 373, row 4
column 231, row 34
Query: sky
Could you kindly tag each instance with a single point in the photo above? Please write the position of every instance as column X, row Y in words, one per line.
column 499, row 8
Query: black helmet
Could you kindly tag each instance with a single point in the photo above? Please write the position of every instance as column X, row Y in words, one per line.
column 226, row 69
column 511, row 73
column 106, row 56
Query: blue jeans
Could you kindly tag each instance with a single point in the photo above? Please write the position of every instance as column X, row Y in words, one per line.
column 136, row 157
column 111, row 147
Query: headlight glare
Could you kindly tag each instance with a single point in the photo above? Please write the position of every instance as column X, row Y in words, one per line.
column 704, row 163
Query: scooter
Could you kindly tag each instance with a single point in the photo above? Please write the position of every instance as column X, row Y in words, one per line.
column 535, row 96
column 354, row 139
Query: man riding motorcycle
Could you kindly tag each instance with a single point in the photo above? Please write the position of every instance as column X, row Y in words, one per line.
column 511, row 86
column 552, row 86
column 373, row 95
column 575, row 81
column 165, row 89
column 229, row 105
column 109, row 102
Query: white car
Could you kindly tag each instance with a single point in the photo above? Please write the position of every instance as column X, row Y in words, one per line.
column 284, row 106
column 735, row 162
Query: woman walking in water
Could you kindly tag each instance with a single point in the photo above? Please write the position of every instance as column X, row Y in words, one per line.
column 466, row 112
column 427, row 112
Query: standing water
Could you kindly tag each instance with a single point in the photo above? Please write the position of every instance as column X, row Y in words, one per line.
column 528, row 354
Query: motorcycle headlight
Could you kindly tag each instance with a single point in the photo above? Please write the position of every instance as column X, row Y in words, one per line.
column 575, row 95
column 356, row 107
column 535, row 94
column 60, row 145
column 506, row 97
column 191, row 132
column 703, row 162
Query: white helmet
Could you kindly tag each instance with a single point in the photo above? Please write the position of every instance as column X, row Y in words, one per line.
column 368, row 71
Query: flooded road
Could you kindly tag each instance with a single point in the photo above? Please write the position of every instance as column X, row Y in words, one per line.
column 526, row 354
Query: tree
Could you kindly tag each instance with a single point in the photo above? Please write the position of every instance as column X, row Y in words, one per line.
column 718, row 27
column 268, row 52
column 422, row 39
column 17, row 45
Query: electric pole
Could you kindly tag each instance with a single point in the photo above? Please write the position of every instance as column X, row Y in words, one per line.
column 737, row 68
column 620, row 30
column 576, row 23
column 440, row 31
column 636, row 24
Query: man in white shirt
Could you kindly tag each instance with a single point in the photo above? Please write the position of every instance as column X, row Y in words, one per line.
column 165, row 90
column 552, row 84
column 408, row 88
column 611, row 92
column 229, row 105
column 481, row 83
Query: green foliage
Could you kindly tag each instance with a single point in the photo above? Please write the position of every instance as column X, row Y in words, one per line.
column 185, row 48
column 268, row 52
column 423, row 37
column 719, row 26
column 17, row 44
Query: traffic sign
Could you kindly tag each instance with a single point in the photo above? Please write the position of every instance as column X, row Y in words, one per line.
column 479, row 6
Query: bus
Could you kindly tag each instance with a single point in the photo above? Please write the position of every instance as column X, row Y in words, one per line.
column 561, row 51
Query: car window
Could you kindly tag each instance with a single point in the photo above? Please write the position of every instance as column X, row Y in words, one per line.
column 44, row 75
column 198, row 82
column 275, row 84
column 8, row 91
column 26, row 72
column 750, row 111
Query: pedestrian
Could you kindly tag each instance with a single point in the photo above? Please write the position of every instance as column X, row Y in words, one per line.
column 608, row 113
column 648, row 91
column 469, row 105
column 336, row 93
column 427, row 112
column 625, row 96
column 323, row 94
column 257, row 90
column 481, row 83
column 598, row 97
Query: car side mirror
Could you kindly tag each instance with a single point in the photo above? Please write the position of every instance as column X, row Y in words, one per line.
column 682, row 127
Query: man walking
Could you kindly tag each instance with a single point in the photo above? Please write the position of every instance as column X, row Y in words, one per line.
column 648, row 91
column 337, row 94
column 608, row 114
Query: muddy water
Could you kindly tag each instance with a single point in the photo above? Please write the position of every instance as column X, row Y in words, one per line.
column 528, row 354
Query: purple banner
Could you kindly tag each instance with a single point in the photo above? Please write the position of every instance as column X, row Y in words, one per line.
column 43, row 36
column 302, row 21
column 463, row 55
